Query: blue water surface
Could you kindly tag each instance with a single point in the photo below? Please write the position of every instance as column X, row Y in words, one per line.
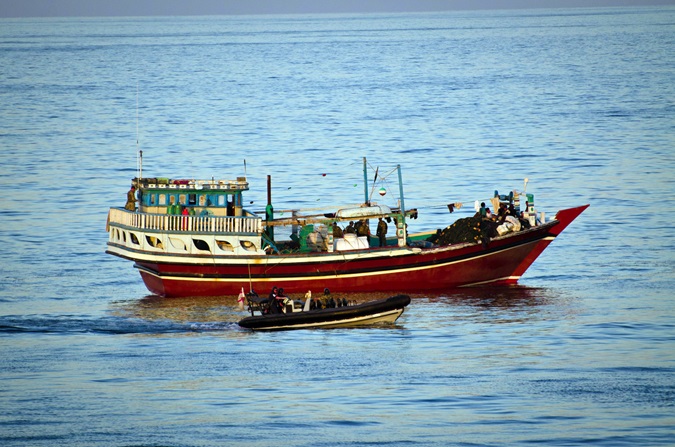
column 579, row 101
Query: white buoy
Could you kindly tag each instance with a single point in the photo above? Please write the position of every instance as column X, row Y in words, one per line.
column 241, row 299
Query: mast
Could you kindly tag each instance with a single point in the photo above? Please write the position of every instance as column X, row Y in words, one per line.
column 140, row 165
column 365, row 181
column 400, row 226
column 269, row 210
column 140, row 152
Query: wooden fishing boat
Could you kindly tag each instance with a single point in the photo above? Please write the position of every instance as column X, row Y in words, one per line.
column 195, row 238
column 373, row 312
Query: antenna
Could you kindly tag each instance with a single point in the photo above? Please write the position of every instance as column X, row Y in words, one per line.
column 140, row 152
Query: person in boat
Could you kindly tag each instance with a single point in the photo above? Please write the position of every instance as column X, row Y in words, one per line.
column 274, row 303
column 282, row 299
column 350, row 228
column 185, row 213
column 131, row 199
column 482, row 211
column 328, row 298
column 337, row 231
column 315, row 303
column 382, row 232
column 501, row 214
column 341, row 302
column 363, row 229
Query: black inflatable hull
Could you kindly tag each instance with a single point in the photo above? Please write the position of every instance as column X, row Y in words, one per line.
column 380, row 311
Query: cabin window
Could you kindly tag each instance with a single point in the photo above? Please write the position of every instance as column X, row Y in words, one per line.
column 201, row 244
column 221, row 200
column 181, row 199
column 134, row 239
column 124, row 236
column 161, row 199
column 192, row 199
column 202, row 200
column 152, row 198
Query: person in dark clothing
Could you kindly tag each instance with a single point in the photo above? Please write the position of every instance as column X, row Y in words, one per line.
column 275, row 307
column 363, row 228
column 330, row 301
column 316, row 303
column 382, row 232
column 131, row 199
column 337, row 231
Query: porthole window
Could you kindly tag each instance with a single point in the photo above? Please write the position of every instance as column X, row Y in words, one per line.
column 201, row 244
column 134, row 239
column 224, row 245
column 154, row 241
column 248, row 245
column 177, row 244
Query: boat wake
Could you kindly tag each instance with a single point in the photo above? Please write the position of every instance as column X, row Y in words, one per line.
column 69, row 324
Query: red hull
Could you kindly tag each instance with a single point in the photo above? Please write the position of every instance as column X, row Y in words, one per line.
column 502, row 261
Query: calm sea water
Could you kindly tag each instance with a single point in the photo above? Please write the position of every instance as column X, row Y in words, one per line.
column 580, row 101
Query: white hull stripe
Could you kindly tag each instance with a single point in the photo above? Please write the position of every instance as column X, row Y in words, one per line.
column 389, row 316
column 342, row 276
column 273, row 261
column 505, row 278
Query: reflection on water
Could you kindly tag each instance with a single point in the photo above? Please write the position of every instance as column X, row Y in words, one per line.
column 487, row 306
column 504, row 303
column 501, row 297
column 88, row 359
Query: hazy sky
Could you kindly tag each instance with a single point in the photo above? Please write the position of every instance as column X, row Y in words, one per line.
column 79, row 8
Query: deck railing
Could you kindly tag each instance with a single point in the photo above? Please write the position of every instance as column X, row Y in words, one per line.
column 169, row 223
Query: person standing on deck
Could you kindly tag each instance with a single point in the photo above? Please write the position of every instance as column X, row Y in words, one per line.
column 362, row 228
column 185, row 213
column 337, row 231
column 131, row 199
column 382, row 232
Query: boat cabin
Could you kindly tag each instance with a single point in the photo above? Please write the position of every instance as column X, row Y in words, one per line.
column 199, row 197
